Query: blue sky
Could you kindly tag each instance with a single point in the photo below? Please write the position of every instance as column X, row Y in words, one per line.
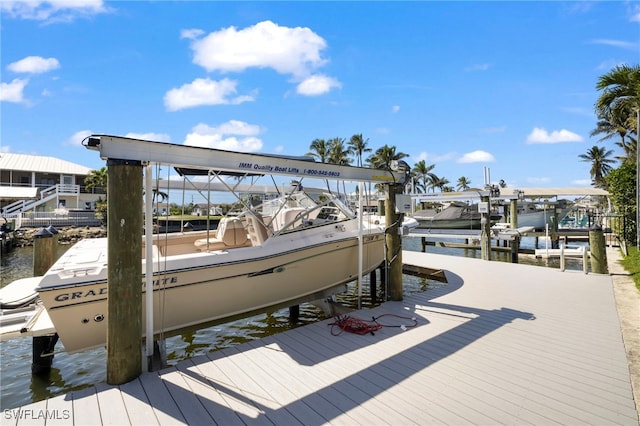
column 462, row 85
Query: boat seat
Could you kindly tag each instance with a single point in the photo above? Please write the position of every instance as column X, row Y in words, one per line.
column 256, row 228
column 230, row 234
column 287, row 216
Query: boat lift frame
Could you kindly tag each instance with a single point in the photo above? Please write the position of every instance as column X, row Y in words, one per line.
column 121, row 148
column 214, row 160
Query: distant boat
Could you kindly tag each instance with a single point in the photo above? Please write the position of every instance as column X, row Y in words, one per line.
column 455, row 216
column 540, row 215
column 408, row 222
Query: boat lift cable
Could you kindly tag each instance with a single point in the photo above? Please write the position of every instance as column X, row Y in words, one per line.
column 361, row 326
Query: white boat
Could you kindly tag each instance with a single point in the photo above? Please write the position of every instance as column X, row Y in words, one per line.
column 456, row 215
column 539, row 216
column 408, row 222
column 286, row 250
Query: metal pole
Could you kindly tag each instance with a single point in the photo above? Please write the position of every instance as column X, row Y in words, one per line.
column 148, row 238
column 360, row 242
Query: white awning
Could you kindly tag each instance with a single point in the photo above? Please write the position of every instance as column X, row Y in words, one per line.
column 17, row 192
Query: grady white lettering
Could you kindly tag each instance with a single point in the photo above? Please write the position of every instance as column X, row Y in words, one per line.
column 103, row 290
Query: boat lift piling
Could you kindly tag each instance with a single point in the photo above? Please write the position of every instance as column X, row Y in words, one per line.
column 44, row 255
column 394, row 242
column 124, row 224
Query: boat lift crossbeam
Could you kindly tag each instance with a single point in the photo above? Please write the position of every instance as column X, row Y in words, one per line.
column 121, row 148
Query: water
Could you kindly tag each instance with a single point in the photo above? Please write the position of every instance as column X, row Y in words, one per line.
column 73, row 372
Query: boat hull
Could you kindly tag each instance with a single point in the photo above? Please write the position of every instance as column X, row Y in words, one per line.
column 540, row 219
column 219, row 286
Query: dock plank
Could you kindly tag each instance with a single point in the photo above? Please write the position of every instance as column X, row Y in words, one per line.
column 190, row 407
column 138, row 405
column 85, row 407
column 61, row 409
column 33, row 414
column 112, row 408
column 165, row 409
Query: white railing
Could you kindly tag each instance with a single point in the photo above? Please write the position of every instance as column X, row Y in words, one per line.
column 20, row 206
column 59, row 217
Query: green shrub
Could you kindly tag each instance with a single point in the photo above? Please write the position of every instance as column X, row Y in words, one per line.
column 632, row 264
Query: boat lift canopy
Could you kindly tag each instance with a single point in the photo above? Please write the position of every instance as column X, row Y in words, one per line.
column 190, row 157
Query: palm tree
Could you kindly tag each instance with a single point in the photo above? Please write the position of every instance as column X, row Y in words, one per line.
column 383, row 157
column 442, row 184
column 338, row 154
column 432, row 182
column 422, row 172
column 616, row 125
column 600, row 165
column 319, row 150
column 97, row 179
column 358, row 146
column 463, row 184
column 619, row 103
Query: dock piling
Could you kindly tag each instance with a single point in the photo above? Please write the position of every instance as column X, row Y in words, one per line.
column 124, row 230
column 294, row 313
column 44, row 255
column 598, row 250
column 394, row 242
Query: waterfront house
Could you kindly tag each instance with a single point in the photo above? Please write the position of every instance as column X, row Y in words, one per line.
column 33, row 185
column 201, row 210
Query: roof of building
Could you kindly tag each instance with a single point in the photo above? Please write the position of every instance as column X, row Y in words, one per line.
column 40, row 164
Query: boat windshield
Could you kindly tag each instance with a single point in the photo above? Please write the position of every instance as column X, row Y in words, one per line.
column 301, row 210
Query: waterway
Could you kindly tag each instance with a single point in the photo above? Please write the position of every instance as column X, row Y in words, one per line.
column 77, row 371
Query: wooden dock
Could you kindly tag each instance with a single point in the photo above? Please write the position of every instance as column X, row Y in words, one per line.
column 500, row 344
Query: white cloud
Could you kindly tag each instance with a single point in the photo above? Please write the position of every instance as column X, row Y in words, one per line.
column 541, row 136
column 34, row 65
column 581, row 182
column 476, row 157
column 616, row 43
column 77, row 138
column 157, row 137
column 204, row 91
column 225, row 137
column 294, row 51
column 395, row 108
column 191, row 34
column 12, row 92
column 634, row 13
column 53, row 10
column 434, row 158
column 317, row 85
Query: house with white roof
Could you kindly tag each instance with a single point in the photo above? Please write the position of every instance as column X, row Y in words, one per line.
column 43, row 184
